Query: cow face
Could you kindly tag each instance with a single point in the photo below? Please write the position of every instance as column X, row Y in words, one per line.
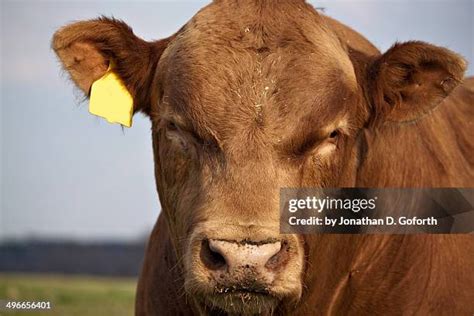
column 241, row 105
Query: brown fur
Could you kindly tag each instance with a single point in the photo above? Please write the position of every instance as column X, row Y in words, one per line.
column 410, row 79
column 251, row 96
column 87, row 47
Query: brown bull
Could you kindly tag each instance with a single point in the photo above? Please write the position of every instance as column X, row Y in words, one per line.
column 252, row 96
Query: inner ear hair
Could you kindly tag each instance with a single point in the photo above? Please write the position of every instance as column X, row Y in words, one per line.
column 411, row 79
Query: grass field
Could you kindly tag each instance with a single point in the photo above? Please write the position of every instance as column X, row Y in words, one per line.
column 70, row 295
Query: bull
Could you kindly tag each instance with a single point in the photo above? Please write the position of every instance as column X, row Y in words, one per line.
column 252, row 96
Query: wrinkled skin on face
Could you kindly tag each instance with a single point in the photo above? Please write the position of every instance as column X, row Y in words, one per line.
column 251, row 97
column 230, row 130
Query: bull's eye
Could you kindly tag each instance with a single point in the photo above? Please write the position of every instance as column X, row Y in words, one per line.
column 171, row 126
column 317, row 143
column 330, row 144
column 174, row 133
column 334, row 134
column 185, row 137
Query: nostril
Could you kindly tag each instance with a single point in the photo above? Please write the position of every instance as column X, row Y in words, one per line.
column 279, row 259
column 211, row 258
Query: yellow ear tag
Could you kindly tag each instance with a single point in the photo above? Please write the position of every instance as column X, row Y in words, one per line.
column 111, row 100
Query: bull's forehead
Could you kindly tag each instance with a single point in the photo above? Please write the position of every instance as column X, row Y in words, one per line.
column 239, row 70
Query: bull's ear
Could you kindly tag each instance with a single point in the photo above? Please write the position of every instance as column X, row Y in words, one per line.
column 86, row 49
column 410, row 80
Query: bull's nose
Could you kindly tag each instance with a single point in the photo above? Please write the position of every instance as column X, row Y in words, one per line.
column 228, row 257
column 238, row 254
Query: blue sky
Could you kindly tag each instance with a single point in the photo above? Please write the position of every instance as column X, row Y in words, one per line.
column 67, row 174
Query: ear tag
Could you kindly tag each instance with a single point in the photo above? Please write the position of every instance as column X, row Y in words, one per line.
column 111, row 100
